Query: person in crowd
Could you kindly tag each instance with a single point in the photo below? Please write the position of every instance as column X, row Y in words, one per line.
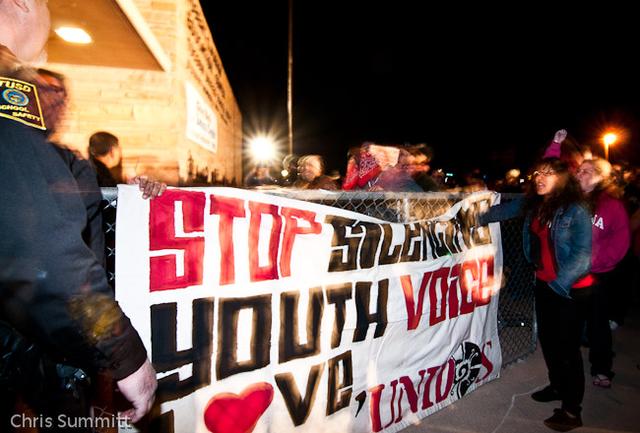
column 311, row 174
column 415, row 160
column 380, row 168
column 259, row 176
column 611, row 239
column 473, row 181
column 54, row 296
column 106, row 156
column 54, row 102
column 352, row 176
column 395, row 175
column 440, row 179
column 511, row 182
column 557, row 240
column 289, row 173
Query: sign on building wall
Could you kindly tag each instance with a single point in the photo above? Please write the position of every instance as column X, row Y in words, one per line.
column 267, row 314
column 202, row 123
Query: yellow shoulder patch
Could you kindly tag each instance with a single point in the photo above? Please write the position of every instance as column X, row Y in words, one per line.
column 19, row 101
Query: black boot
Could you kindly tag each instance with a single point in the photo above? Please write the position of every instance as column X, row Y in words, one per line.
column 545, row 395
column 561, row 420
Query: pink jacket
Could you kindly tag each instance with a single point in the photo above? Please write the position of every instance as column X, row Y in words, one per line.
column 611, row 233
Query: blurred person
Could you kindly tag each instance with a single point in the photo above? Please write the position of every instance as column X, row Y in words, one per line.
column 363, row 167
column 440, row 178
column 54, row 100
column 374, row 167
column 511, row 182
column 617, row 175
column 311, row 174
column 395, row 175
column 611, row 239
column 290, row 166
column 55, row 303
column 335, row 176
column 473, row 181
column 106, row 156
column 351, row 178
column 416, row 160
column 557, row 240
column 259, row 176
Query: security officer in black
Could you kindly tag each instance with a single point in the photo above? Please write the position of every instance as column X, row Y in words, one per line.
column 53, row 291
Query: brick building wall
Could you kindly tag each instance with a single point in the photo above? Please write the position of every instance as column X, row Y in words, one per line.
column 146, row 109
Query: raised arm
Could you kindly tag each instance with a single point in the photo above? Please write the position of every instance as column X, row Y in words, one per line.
column 553, row 150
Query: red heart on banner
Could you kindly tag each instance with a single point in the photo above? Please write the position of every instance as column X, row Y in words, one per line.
column 232, row 413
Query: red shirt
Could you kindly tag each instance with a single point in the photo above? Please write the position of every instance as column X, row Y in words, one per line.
column 547, row 267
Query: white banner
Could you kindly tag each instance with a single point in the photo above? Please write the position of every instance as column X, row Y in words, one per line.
column 267, row 314
column 202, row 123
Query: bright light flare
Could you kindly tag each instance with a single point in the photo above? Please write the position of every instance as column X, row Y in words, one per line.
column 74, row 35
column 262, row 148
column 610, row 138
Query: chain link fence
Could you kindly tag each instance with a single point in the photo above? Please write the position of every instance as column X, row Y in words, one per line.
column 516, row 323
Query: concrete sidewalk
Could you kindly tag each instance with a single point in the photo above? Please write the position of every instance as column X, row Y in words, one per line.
column 505, row 405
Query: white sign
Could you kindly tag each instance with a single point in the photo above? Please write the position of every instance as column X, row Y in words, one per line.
column 202, row 123
column 267, row 314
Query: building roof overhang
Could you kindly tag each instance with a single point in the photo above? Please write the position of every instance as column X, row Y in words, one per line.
column 121, row 36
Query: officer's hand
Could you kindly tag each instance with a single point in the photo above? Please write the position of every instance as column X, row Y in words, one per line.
column 139, row 388
column 150, row 188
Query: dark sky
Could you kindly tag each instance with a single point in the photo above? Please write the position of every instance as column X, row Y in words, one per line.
column 483, row 86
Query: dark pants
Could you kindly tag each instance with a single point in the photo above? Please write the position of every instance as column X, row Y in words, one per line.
column 620, row 290
column 560, row 325
column 598, row 330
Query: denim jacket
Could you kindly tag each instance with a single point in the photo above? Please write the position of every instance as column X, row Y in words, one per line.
column 570, row 236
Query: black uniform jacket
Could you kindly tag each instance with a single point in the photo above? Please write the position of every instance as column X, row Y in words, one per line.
column 52, row 287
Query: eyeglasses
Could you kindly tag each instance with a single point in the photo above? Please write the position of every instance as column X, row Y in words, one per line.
column 545, row 173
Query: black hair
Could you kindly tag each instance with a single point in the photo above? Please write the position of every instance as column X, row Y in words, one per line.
column 566, row 192
column 101, row 143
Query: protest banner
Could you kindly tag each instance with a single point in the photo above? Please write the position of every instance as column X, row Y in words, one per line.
column 266, row 314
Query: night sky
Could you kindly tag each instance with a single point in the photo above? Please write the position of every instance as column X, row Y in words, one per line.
column 484, row 86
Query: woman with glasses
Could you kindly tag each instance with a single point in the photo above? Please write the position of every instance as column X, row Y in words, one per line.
column 611, row 239
column 557, row 240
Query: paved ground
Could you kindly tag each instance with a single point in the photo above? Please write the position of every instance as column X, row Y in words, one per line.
column 505, row 405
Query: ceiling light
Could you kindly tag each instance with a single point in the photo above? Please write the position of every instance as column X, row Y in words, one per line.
column 74, row 35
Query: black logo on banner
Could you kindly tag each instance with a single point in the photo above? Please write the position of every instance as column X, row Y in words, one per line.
column 467, row 368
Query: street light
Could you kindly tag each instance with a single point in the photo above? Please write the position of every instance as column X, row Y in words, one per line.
column 262, row 148
column 608, row 139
